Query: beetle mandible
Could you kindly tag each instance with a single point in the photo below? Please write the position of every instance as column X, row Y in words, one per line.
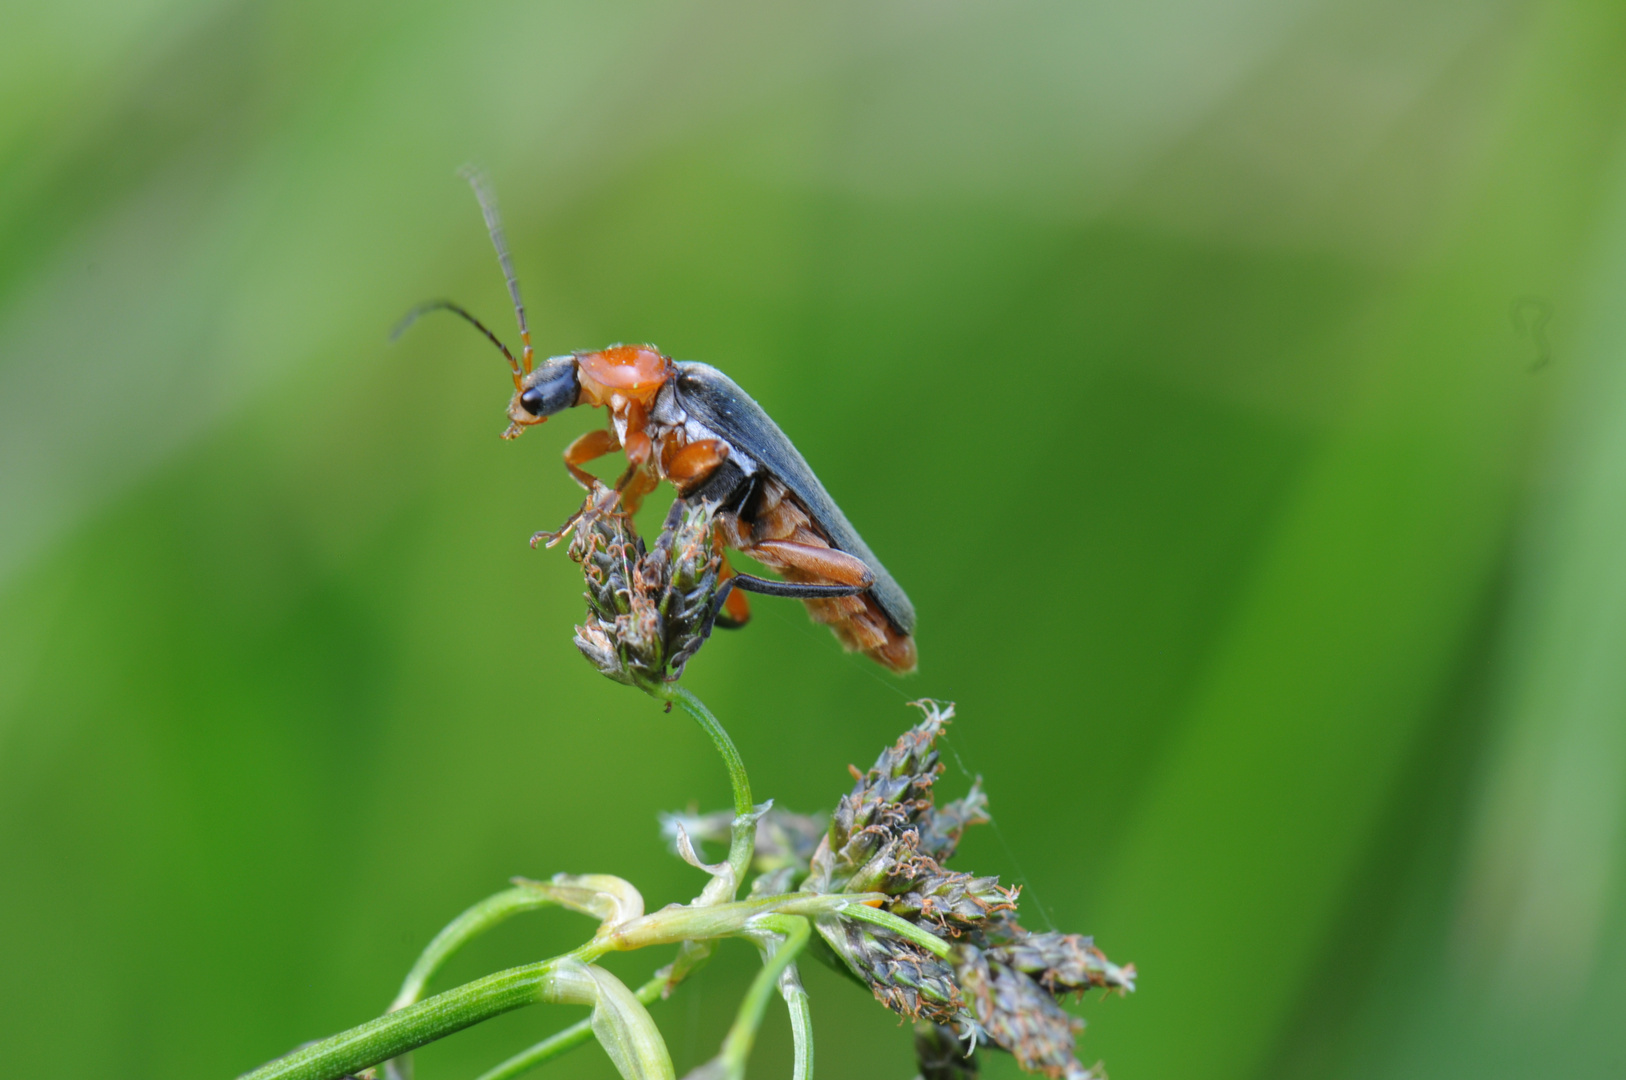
column 690, row 424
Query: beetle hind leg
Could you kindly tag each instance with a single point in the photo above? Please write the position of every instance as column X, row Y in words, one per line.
column 797, row 590
column 814, row 564
column 734, row 610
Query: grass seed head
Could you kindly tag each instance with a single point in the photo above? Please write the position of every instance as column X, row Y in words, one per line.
column 1020, row 1016
column 1000, row 985
column 1063, row 963
column 646, row 608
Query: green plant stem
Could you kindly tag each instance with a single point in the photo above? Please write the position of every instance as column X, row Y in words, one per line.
column 742, row 1035
column 463, row 929
column 796, row 1002
column 801, row 1023
column 712, row 727
column 742, row 843
column 906, row 930
column 396, row 1033
column 561, row 1042
column 457, row 933
column 695, row 922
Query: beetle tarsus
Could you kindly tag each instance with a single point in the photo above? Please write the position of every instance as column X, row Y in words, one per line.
column 600, row 500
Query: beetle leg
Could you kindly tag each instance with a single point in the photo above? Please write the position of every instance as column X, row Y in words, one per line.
column 600, row 500
column 637, row 441
column 691, row 465
column 634, row 484
column 796, row 590
column 588, row 446
column 825, row 564
column 736, row 610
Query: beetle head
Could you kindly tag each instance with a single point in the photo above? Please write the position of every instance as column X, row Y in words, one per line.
column 552, row 387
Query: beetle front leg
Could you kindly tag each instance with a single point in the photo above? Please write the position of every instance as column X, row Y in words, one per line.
column 589, row 446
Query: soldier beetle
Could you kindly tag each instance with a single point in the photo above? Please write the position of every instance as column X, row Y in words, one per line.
column 690, row 424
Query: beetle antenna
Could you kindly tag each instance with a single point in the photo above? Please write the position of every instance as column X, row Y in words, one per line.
column 446, row 305
column 488, row 207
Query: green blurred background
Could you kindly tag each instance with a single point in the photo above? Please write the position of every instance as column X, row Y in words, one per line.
column 1237, row 386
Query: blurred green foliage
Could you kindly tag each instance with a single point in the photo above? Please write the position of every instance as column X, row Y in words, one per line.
column 1170, row 354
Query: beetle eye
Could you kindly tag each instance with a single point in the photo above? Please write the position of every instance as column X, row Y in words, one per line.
column 532, row 401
